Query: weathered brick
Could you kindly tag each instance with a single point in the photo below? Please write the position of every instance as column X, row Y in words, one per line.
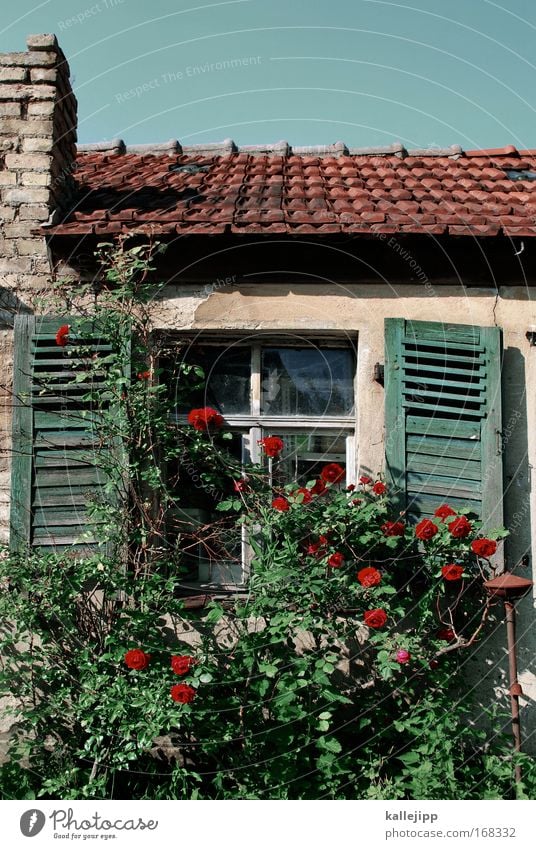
column 12, row 110
column 42, row 41
column 26, row 195
column 20, row 230
column 41, row 109
column 20, row 126
column 42, row 266
column 13, row 75
column 8, row 178
column 34, row 212
column 7, row 213
column 28, row 247
column 28, row 161
column 7, row 247
column 18, row 91
column 29, row 59
column 36, row 145
column 35, row 178
column 8, row 143
column 22, row 265
column 36, row 281
column 43, row 75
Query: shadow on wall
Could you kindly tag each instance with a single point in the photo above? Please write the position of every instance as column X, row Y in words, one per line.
column 515, row 457
column 490, row 665
column 10, row 306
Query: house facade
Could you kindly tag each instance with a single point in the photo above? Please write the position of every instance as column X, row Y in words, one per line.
column 374, row 306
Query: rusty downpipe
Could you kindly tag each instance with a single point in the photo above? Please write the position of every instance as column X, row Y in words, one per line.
column 511, row 588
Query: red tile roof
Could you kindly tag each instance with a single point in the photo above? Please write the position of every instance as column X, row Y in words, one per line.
column 217, row 188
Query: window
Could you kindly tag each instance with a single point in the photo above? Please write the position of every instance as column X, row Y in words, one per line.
column 302, row 391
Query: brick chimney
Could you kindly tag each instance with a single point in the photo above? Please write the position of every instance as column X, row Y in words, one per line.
column 37, row 153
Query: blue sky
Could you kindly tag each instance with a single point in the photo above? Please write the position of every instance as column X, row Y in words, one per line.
column 367, row 72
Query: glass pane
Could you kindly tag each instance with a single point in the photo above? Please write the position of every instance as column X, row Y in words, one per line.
column 305, row 454
column 307, row 382
column 228, row 378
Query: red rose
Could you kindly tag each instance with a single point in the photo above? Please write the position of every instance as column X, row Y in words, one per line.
column 446, row 634
column 318, row 488
column 144, row 375
column 484, row 547
column 379, row 488
column 272, row 445
column 336, row 560
column 137, row 659
column 357, row 501
column 240, row 485
column 460, row 527
column 307, row 497
column 182, row 663
column 318, row 548
column 364, row 479
column 452, row 572
column 369, row 577
column 444, row 512
column 62, row 336
column 426, row 529
column 281, row 504
column 205, row 418
column 402, row 656
column 350, row 487
column 393, row 529
column 183, row 693
column 375, row 618
column 332, row 473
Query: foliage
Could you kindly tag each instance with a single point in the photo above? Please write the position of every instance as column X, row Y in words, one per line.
column 335, row 674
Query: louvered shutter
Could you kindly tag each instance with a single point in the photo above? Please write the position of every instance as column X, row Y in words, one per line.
column 443, row 417
column 60, row 463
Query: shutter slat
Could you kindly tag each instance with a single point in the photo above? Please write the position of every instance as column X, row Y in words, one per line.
column 442, row 345
column 423, row 354
column 469, row 385
column 443, row 427
column 436, row 369
column 443, row 408
column 456, row 448
column 428, row 330
column 444, row 465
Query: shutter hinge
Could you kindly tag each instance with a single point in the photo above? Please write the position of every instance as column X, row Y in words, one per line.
column 379, row 373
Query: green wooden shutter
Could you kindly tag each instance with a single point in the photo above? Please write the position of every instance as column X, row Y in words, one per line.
column 443, row 417
column 59, row 462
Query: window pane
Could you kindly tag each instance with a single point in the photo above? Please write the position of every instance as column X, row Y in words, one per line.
column 227, row 372
column 305, row 454
column 307, row 382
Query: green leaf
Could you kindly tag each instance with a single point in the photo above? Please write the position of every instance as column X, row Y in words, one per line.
column 330, row 744
column 410, row 758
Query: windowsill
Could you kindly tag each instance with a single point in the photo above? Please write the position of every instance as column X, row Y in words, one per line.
column 198, row 590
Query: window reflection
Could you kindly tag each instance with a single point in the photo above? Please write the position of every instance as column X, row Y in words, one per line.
column 307, row 381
